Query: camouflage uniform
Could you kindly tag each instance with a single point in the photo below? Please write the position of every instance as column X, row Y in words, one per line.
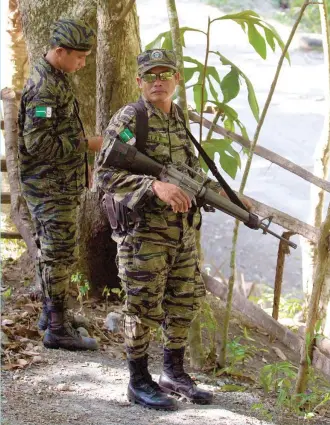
column 53, row 159
column 157, row 257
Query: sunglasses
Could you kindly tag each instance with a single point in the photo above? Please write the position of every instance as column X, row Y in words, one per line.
column 163, row 76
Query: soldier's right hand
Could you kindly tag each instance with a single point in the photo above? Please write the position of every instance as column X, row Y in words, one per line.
column 95, row 143
column 172, row 195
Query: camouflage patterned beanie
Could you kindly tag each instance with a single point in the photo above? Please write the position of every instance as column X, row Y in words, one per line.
column 156, row 57
column 73, row 34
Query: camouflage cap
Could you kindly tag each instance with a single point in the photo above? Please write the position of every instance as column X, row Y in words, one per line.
column 156, row 57
column 73, row 34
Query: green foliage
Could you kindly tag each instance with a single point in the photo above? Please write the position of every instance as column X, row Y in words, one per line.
column 289, row 305
column 7, row 294
column 82, row 286
column 229, row 158
column 238, row 353
column 310, row 21
column 280, row 378
column 209, row 323
column 262, row 411
column 219, row 88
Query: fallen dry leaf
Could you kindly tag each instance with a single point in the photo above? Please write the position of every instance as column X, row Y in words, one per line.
column 22, row 362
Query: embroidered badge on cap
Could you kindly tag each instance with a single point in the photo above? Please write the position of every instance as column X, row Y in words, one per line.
column 43, row 111
column 157, row 54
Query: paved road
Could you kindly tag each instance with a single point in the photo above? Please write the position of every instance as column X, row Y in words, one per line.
column 292, row 128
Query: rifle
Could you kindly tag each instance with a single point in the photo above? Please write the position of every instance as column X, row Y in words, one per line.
column 127, row 157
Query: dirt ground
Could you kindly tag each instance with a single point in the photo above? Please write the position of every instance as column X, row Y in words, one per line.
column 57, row 387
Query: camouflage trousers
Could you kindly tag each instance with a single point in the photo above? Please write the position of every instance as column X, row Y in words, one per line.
column 55, row 225
column 163, row 287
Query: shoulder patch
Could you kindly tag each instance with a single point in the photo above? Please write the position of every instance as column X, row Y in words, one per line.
column 43, row 111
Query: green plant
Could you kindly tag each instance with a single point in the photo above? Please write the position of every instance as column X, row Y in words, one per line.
column 262, row 411
column 219, row 88
column 209, row 323
column 277, row 376
column 280, row 378
column 121, row 294
column 7, row 293
column 106, row 293
column 239, row 353
column 82, row 286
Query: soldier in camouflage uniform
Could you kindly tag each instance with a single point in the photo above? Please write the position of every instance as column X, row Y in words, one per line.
column 157, row 254
column 53, row 171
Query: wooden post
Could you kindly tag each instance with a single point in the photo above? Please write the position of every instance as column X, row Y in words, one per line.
column 283, row 249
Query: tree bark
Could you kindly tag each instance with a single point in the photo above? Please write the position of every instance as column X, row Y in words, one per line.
column 18, row 47
column 115, row 86
column 19, row 212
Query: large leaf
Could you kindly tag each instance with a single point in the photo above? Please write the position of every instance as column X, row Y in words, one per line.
column 251, row 94
column 189, row 73
column 276, row 36
column 183, row 30
column 162, row 41
column 213, row 91
column 230, row 85
column 252, row 20
column 229, row 159
column 197, row 89
column 257, row 41
column 212, row 72
column 244, row 15
column 270, row 38
column 226, row 109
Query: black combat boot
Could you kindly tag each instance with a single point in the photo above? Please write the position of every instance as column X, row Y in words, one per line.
column 143, row 390
column 43, row 318
column 68, row 317
column 175, row 380
column 60, row 334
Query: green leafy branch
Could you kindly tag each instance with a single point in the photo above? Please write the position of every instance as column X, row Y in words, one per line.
column 210, row 88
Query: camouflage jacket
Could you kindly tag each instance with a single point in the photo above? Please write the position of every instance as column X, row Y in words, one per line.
column 167, row 142
column 52, row 150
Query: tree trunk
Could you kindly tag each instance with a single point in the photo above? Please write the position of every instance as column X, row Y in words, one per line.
column 118, row 45
column 19, row 212
column 321, row 169
column 18, row 47
column 115, row 86
column 322, row 267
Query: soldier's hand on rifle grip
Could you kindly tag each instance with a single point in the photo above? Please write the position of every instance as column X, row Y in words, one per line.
column 172, row 195
column 246, row 202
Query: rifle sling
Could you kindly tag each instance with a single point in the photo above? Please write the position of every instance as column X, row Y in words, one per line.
column 142, row 137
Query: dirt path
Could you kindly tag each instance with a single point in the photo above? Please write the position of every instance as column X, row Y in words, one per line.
column 90, row 389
